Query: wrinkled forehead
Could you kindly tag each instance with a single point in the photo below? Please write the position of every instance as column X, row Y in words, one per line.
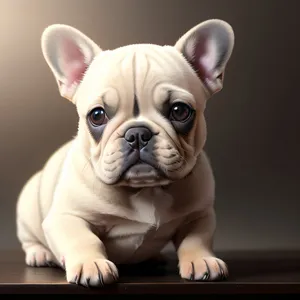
column 135, row 71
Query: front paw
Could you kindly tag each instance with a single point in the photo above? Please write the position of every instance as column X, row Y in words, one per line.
column 203, row 269
column 92, row 273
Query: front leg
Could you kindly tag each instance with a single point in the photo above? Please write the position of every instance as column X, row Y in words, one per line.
column 193, row 243
column 82, row 253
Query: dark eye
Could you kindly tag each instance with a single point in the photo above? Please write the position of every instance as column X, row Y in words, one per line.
column 97, row 116
column 180, row 112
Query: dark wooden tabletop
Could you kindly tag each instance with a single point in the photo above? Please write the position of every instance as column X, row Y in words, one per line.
column 250, row 272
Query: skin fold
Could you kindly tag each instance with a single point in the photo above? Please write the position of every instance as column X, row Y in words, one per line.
column 135, row 176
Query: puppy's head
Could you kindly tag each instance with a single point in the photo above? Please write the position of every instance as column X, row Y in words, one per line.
column 141, row 107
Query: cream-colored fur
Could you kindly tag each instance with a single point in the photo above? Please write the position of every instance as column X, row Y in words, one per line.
column 79, row 212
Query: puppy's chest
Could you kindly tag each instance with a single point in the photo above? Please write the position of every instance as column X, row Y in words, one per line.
column 143, row 230
column 131, row 242
column 152, row 206
column 150, row 210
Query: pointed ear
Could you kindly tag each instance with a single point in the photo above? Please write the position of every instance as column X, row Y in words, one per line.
column 68, row 53
column 208, row 47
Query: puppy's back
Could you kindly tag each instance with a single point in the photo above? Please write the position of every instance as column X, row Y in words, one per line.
column 36, row 197
column 50, row 175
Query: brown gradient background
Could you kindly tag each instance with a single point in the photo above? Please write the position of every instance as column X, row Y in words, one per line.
column 253, row 125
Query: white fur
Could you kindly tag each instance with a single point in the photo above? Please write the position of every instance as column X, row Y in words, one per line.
column 86, row 222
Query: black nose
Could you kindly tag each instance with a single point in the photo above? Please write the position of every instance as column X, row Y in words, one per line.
column 138, row 137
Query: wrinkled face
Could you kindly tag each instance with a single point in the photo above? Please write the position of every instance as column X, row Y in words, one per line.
column 140, row 107
column 141, row 116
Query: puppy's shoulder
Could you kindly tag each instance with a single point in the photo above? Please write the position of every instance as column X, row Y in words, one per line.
column 57, row 158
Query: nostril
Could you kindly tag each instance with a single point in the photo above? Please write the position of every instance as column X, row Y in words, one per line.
column 145, row 137
column 130, row 138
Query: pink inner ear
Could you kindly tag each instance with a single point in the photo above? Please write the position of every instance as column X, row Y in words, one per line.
column 205, row 58
column 72, row 62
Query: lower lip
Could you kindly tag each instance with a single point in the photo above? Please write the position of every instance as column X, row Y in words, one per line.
column 147, row 175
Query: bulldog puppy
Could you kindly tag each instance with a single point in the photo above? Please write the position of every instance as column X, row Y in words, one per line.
column 135, row 176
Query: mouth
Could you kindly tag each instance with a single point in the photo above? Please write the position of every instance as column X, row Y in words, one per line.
column 143, row 174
